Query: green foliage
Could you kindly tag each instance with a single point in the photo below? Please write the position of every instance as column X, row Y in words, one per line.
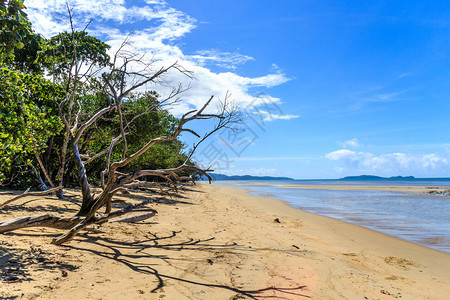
column 14, row 26
column 30, row 119
column 26, row 59
column 27, row 117
column 64, row 50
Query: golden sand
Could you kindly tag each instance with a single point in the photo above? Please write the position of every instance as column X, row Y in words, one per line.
column 215, row 242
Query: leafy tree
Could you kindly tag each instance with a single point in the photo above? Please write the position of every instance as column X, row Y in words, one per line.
column 75, row 53
column 14, row 26
column 72, row 60
column 26, row 118
column 26, row 59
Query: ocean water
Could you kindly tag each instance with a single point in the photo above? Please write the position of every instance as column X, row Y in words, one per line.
column 419, row 218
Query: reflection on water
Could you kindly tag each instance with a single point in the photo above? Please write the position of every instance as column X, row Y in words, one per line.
column 419, row 218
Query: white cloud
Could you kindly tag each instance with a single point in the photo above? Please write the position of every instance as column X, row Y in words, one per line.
column 353, row 143
column 166, row 26
column 392, row 163
column 349, row 158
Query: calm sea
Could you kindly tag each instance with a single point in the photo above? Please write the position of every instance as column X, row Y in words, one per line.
column 419, row 218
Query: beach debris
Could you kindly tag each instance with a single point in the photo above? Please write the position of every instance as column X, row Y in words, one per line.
column 64, row 273
column 276, row 220
column 210, row 261
column 295, row 246
column 439, row 192
column 385, row 292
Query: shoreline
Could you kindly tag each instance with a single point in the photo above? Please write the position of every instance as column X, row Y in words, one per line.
column 359, row 243
column 409, row 232
column 409, row 189
column 216, row 242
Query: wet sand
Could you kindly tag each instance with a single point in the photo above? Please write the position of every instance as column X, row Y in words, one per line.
column 214, row 242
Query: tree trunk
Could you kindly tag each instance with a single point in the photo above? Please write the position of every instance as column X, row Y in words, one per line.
column 87, row 201
column 60, row 176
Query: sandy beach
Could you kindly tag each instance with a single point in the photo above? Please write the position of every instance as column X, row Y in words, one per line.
column 214, row 242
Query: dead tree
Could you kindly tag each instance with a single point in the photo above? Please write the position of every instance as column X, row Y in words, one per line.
column 128, row 73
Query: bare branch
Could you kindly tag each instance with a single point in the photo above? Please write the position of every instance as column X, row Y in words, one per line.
column 28, row 193
column 103, row 218
column 188, row 178
column 115, row 141
column 191, row 131
column 144, row 184
column 43, row 169
column 93, row 119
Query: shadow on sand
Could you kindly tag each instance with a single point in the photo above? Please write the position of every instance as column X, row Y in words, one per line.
column 159, row 249
column 115, row 250
column 16, row 262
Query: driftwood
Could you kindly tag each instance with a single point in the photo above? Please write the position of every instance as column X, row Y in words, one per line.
column 136, row 218
column 28, row 193
column 43, row 220
column 49, row 220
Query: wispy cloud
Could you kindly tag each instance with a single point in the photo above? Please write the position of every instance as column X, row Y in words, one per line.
column 404, row 74
column 267, row 116
column 278, row 158
column 378, row 97
column 352, row 143
column 222, row 59
column 115, row 20
column 251, row 171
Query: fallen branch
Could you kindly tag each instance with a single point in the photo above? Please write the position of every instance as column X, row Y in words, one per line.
column 49, row 220
column 100, row 220
column 136, row 218
column 28, row 193
column 43, row 220
column 187, row 178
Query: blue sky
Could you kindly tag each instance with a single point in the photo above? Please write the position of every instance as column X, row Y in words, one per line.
column 329, row 88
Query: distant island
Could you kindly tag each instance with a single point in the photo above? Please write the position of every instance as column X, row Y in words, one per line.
column 217, row 177
column 372, row 177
